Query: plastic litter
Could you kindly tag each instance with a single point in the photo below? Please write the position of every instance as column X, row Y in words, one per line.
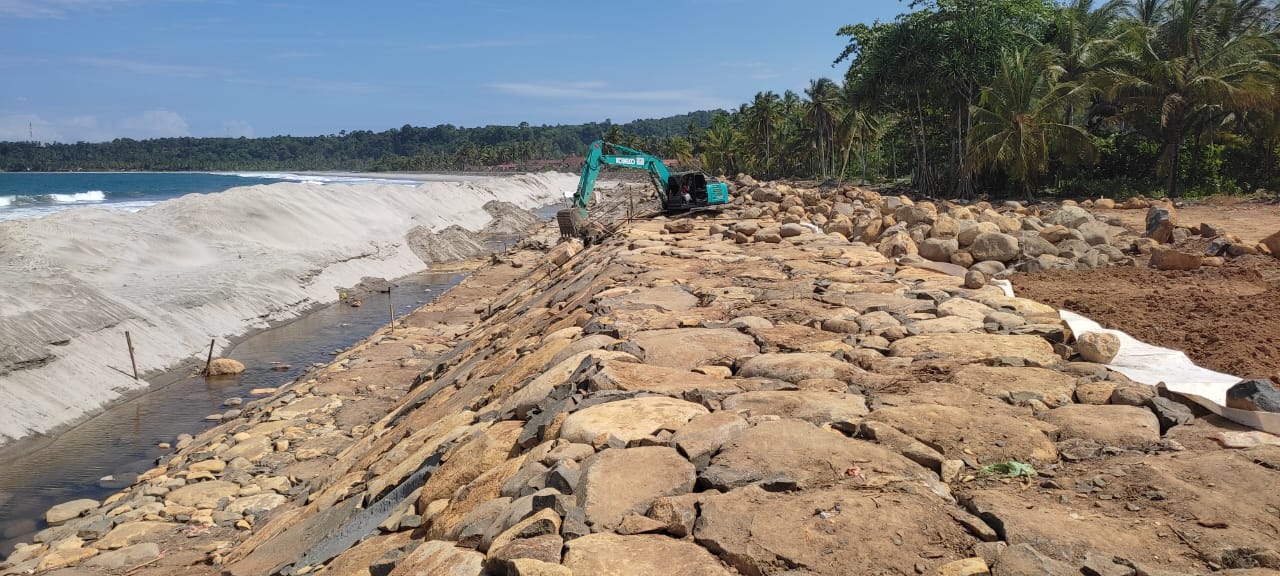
column 1010, row 469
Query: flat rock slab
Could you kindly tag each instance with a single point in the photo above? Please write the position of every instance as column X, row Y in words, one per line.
column 663, row 298
column 864, row 302
column 978, row 348
column 689, row 348
column 806, row 456
column 631, row 376
column 816, row 406
column 527, row 397
column 618, row 482
column 838, row 530
column 1049, row 386
column 69, row 510
column 251, row 449
column 946, row 325
column 1067, row 532
column 257, row 505
column 630, row 419
column 791, row 337
column 131, row 533
column 305, row 406
column 798, row 366
column 1110, row 424
column 641, row 555
column 203, row 494
column 703, row 436
column 1021, row 306
column 470, row 460
column 126, row 557
column 964, row 307
column 958, row 432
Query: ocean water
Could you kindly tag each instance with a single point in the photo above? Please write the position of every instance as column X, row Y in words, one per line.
column 38, row 194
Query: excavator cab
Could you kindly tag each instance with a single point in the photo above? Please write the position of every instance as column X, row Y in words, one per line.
column 686, row 190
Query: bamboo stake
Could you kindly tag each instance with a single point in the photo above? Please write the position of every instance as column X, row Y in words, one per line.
column 391, row 310
column 129, row 340
column 208, row 361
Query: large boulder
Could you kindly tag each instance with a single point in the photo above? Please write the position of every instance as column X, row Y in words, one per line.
column 1096, row 233
column 1098, row 347
column 995, row 246
column 1173, row 259
column 224, row 367
column 69, row 510
column 629, row 420
column 618, row 482
column 1112, row 425
column 970, row 232
column 1070, row 217
column 898, row 244
column 939, row 249
column 1161, row 220
column 798, row 366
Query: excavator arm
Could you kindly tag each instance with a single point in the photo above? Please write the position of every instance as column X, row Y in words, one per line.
column 676, row 192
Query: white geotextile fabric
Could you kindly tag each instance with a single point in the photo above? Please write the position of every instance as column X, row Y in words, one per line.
column 1153, row 365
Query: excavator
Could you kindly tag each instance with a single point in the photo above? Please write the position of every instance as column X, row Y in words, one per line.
column 677, row 192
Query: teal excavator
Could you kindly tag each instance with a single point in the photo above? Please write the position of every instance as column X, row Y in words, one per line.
column 678, row 192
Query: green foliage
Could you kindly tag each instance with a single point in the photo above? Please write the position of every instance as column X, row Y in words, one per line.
column 444, row 147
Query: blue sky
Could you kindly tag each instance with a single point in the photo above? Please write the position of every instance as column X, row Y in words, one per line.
column 101, row 69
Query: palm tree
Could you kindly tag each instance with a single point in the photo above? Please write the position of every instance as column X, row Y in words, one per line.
column 820, row 116
column 721, row 144
column 681, row 149
column 1018, row 119
column 1198, row 62
column 762, row 116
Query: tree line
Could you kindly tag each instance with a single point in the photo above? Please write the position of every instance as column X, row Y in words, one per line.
column 954, row 97
column 441, row 148
column 983, row 96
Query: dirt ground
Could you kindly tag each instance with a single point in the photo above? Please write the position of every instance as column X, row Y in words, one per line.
column 1250, row 220
column 1226, row 319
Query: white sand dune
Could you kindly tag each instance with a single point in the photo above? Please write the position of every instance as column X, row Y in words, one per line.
column 200, row 267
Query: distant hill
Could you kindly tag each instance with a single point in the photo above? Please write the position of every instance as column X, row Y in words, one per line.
column 443, row 147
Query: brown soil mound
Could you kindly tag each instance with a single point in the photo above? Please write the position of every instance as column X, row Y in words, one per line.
column 1226, row 319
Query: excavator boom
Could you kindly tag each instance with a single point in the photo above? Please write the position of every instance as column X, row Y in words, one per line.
column 677, row 192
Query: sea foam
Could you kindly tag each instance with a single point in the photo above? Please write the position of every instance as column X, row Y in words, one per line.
column 198, row 267
column 90, row 196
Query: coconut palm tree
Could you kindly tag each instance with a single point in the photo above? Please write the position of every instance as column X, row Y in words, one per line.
column 820, row 115
column 1198, row 62
column 1018, row 119
column 762, row 117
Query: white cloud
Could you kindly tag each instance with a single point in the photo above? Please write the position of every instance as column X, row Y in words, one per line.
column 154, row 124
column 595, row 91
column 148, row 68
column 754, row 69
column 87, row 128
column 25, row 127
column 50, row 8
column 237, row 129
